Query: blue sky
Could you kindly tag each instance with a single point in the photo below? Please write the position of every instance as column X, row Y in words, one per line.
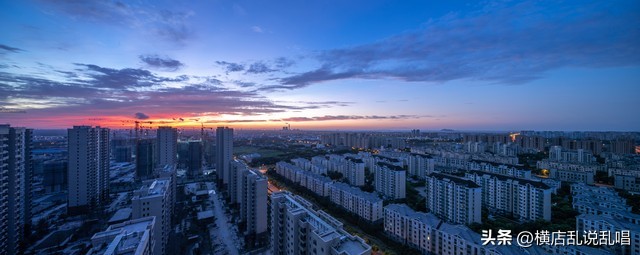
column 489, row 65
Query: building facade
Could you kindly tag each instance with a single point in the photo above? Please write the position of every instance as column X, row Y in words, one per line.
column 224, row 154
column 88, row 167
column 296, row 228
column 520, row 198
column 390, row 180
column 167, row 139
column 453, row 199
column 16, row 172
column 155, row 199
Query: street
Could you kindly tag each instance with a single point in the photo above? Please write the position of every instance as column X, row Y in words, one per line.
column 222, row 234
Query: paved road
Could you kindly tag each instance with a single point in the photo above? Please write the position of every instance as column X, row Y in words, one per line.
column 222, row 233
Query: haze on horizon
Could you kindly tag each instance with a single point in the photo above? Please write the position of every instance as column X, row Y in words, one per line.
column 355, row 65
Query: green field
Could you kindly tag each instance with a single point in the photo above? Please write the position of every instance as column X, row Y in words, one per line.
column 240, row 150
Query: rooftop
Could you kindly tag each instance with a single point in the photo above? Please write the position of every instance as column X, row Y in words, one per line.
column 351, row 245
column 390, row 166
column 121, row 215
column 536, row 184
column 456, row 179
column 405, row 210
column 155, row 187
column 356, row 191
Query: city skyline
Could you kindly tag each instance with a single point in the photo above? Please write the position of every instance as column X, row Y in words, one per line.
column 322, row 65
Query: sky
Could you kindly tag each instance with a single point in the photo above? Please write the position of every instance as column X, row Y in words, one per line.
column 322, row 65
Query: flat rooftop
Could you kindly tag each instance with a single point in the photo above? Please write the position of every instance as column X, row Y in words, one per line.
column 350, row 245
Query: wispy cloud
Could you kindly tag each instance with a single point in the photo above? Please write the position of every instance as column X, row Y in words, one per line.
column 503, row 42
column 170, row 25
column 259, row 67
column 231, row 67
column 161, row 63
column 6, row 48
column 257, row 29
column 351, row 117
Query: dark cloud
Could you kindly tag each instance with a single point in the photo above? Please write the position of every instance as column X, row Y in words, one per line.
column 231, row 67
column 103, row 77
column 350, row 117
column 504, row 42
column 282, row 63
column 5, row 48
column 259, row 67
column 322, row 74
column 161, row 63
column 92, row 90
column 141, row 116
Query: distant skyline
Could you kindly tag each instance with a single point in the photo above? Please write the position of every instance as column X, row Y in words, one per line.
column 334, row 65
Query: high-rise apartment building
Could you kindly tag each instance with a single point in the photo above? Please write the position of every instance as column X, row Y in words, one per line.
column 390, row 180
column 520, row 198
column 420, row 165
column 15, row 187
column 622, row 146
column 298, row 229
column 88, row 168
column 253, row 206
column 411, row 228
column 145, row 158
column 194, row 165
column 224, row 154
column 453, row 199
column 167, row 139
column 155, row 198
column 430, row 235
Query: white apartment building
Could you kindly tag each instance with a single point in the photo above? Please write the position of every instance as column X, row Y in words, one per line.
column 296, row 228
column 366, row 205
column 590, row 222
column 253, row 205
column 88, row 167
column 154, row 199
column 318, row 184
column 580, row 167
column 602, row 201
column 626, row 182
column 390, row 180
column 572, row 176
column 353, row 170
column 509, row 170
column 167, row 140
column 420, row 165
column 430, row 235
column 134, row 237
column 453, row 199
column 411, row 228
column 558, row 154
column 350, row 166
column 520, row 198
